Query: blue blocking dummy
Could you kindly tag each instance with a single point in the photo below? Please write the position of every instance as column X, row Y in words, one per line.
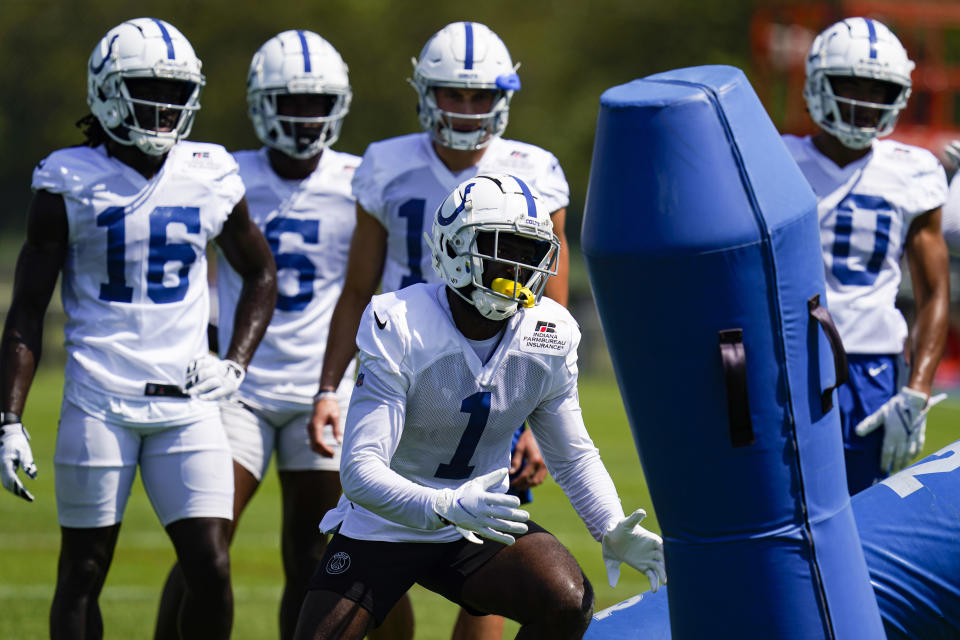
column 702, row 244
column 910, row 530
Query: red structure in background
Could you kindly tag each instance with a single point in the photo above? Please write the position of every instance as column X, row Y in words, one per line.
column 929, row 29
column 780, row 37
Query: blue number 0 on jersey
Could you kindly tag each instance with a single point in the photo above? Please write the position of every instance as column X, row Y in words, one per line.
column 115, row 289
column 856, row 206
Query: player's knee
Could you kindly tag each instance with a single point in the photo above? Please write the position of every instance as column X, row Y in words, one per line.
column 572, row 604
column 81, row 575
column 209, row 574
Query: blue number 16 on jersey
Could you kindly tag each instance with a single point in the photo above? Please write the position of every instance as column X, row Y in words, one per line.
column 116, row 289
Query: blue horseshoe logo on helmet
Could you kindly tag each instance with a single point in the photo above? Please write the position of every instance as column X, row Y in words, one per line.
column 453, row 216
column 98, row 68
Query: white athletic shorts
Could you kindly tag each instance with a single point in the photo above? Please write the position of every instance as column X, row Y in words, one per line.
column 255, row 431
column 186, row 470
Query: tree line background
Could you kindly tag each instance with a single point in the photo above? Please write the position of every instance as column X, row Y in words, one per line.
column 570, row 52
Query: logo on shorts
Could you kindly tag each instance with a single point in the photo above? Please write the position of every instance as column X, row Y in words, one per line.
column 338, row 563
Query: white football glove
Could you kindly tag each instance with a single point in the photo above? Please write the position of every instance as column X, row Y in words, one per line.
column 474, row 510
column 626, row 541
column 15, row 452
column 952, row 151
column 904, row 421
column 210, row 378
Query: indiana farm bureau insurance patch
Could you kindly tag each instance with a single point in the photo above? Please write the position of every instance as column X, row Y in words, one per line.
column 550, row 337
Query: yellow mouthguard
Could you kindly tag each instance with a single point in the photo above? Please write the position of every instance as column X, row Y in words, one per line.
column 511, row 288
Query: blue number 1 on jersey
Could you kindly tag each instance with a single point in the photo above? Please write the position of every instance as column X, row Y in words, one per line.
column 412, row 210
column 477, row 407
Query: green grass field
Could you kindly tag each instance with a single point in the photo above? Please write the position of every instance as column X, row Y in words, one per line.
column 29, row 535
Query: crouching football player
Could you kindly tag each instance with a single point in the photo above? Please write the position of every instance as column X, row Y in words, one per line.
column 446, row 373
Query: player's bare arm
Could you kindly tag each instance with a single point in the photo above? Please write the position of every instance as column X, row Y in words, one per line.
column 534, row 470
column 38, row 268
column 368, row 249
column 928, row 259
column 247, row 251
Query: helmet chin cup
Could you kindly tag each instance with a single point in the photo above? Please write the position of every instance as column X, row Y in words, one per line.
column 492, row 307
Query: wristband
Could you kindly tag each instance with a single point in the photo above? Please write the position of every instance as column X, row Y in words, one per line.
column 323, row 394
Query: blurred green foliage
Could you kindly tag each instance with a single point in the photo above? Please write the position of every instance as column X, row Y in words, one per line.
column 571, row 51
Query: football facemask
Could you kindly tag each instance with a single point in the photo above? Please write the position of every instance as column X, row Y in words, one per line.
column 464, row 55
column 143, row 85
column 301, row 69
column 493, row 244
column 857, row 48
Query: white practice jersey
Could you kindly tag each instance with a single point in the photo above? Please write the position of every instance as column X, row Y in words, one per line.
column 951, row 216
column 426, row 414
column 865, row 211
column 135, row 278
column 308, row 224
column 401, row 182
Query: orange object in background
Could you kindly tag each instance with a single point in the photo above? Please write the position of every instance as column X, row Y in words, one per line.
column 929, row 29
column 780, row 37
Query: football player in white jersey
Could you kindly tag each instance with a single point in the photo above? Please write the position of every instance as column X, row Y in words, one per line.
column 465, row 80
column 126, row 217
column 951, row 209
column 877, row 199
column 446, row 371
column 298, row 190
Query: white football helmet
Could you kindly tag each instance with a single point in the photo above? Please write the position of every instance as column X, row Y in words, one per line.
column 465, row 55
column 860, row 48
column 297, row 62
column 143, row 48
column 493, row 205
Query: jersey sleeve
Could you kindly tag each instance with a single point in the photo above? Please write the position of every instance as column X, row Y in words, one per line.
column 572, row 458
column 366, row 185
column 927, row 185
column 66, row 171
column 552, row 184
column 382, row 340
column 371, row 435
column 225, row 179
column 951, row 217
column 574, row 461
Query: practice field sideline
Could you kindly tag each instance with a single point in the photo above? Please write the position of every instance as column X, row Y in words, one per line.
column 29, row 537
